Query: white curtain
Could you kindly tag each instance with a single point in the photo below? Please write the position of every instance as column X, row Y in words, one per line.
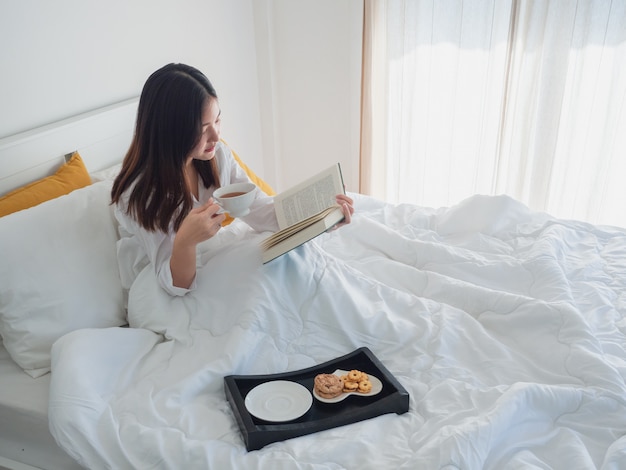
column 525, row 98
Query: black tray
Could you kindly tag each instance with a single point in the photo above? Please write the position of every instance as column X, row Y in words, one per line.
column 257, row 433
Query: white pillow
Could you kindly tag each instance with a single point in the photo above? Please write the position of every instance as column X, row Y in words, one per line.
column 109, row 173
column 58, row 273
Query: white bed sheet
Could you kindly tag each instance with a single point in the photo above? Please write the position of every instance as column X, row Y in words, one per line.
column 507, row 328
column 24, row 434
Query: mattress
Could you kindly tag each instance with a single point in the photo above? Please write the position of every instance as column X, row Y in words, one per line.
column 24, row 434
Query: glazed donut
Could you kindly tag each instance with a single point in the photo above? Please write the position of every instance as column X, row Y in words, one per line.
column 365, row 386
column 354, row 375
column 328, row 385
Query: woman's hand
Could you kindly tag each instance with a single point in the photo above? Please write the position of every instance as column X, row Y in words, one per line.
column 200, row 224
column 346, row 204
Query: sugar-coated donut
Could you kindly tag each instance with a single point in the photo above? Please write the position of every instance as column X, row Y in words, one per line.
column 328, row 385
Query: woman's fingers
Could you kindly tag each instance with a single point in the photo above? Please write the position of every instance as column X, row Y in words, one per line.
column 347, row 212
column 203, row 222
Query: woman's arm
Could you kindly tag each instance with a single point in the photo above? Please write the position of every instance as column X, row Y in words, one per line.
column 200, row 224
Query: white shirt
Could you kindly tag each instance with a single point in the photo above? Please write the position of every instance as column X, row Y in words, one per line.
column 139, row 247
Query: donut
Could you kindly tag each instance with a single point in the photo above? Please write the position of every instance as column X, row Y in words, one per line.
column 328, row 385
column 365, row 386
column 354, row 375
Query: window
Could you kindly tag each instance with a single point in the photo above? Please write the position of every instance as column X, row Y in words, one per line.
column 497, row 97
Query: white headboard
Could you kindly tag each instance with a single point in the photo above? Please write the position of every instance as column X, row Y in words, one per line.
column 100, row 136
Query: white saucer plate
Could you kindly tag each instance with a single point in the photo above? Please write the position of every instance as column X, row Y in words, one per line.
column 278, row 401
column 377, row 386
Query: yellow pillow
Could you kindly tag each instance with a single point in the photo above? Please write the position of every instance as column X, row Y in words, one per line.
column 70, row 176
column 266, row 188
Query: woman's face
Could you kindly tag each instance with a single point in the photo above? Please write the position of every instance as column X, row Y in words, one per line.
column 205, row 148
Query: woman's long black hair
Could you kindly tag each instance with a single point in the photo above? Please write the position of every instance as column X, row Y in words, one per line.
column 168, row 126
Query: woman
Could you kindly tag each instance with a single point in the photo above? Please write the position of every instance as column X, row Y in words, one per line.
column 163, row 193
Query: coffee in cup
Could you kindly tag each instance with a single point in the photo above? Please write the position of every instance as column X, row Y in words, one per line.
column 235, row 198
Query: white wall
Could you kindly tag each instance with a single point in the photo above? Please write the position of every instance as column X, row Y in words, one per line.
column 309, row 62
column 287, row 71
column 64, row 57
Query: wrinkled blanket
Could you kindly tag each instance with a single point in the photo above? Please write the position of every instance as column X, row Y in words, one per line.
column 507, row 328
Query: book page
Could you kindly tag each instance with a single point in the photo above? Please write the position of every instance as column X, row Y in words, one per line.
column 300, row 233
column 295, row 228
column 309, row 198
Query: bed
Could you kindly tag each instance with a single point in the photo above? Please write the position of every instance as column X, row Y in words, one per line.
column 505, row 327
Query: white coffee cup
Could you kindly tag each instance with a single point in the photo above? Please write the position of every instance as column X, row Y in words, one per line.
column 235, row 198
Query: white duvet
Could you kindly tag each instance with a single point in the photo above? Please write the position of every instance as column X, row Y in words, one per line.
column 506, row 327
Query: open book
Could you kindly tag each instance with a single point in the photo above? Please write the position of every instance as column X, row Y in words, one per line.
column 304, row 212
